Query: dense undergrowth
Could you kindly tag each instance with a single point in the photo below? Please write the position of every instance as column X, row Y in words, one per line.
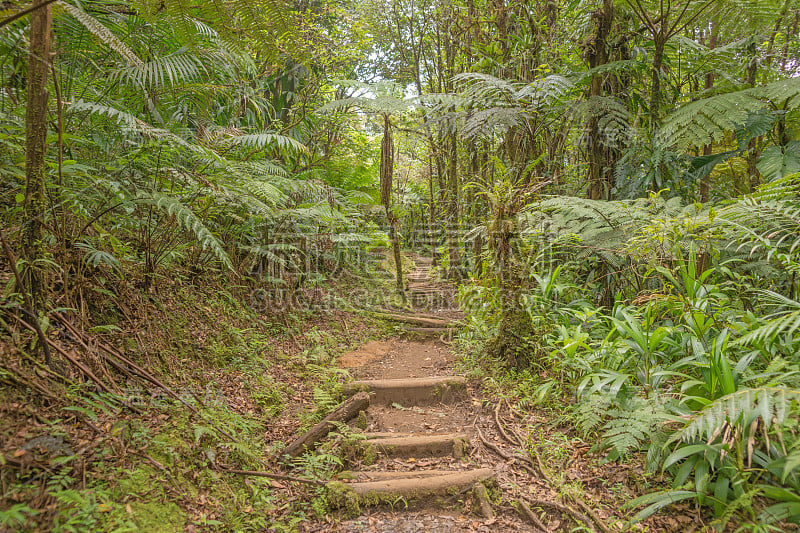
column 693, row 368
column 77, row 459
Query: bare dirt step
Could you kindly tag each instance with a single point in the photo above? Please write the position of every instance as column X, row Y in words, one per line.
column 439, row 418
column 383, row 475
column 416, row 446
column 355, row 495
column 406, row 358
column 412, row 391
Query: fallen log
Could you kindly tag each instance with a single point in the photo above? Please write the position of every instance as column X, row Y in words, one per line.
column 430, row 331
column 346, row 411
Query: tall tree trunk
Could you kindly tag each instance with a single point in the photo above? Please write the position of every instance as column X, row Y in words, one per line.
column 655, row 79
column 753, row 152
column 387, row 168
column 432, row 233
column 708, row 148
column 453, row 229
column 35, row 148
column 598, row 54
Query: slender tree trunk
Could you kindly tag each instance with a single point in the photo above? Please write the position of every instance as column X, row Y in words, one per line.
column 387, row 168
column 432, row 212
column 753, row 152
column 708, row 148
column 655, row 80
column 453, row 230
column 35, row 148
column 789, row 32
column 768, row 53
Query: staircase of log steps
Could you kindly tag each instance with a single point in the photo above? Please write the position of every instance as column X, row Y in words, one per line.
column 354, row 490
column 383, row 483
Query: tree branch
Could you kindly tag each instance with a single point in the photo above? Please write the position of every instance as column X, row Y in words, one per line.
column 8, row 20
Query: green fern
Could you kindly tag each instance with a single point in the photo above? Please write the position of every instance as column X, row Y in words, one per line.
column 189, row 221
column 640, row 422
column 173, row 69
column 741, row 408
column 267, row 139
column 589, row 412
column 105, row 35
column 707, row 120
column 613, row 118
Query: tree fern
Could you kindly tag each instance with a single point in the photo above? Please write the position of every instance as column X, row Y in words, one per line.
column 707, row 120
column 613, row 118
column 600, row 227
column 490, row 105
column 264, row 22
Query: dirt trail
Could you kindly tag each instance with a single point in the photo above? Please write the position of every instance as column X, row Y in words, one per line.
column 428, row 437
column 440, row 457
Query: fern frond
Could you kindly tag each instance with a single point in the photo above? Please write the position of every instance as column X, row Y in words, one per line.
column 105, row 35
column 188, row 221
column 176, row 68
column 269, row 139
column 769, row 404
column 707, row 120
column 613, row 118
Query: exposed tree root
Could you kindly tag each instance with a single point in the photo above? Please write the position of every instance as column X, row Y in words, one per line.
column 526, row 513
column 501, row 429
column 579, row 517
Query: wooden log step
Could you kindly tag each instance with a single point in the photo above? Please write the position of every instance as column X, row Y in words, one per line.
column 411, row 391
column 422, row 445
column 413, row 487
column 417, row 321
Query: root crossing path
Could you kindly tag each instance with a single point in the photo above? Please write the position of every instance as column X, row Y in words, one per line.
column 421, row 458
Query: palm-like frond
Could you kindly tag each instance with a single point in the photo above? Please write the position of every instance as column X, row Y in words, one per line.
column 768, row 221
column 179, row 67
column 707, row 120
column 613, row 118
column 105, row 35
column 269, row 139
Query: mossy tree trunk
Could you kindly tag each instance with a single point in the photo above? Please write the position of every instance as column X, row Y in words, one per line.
column 601, row 158
column 35, row 147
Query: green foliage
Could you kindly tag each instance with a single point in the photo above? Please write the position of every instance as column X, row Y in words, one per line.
column 190, row 222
